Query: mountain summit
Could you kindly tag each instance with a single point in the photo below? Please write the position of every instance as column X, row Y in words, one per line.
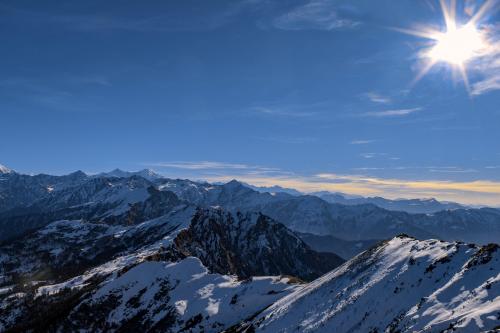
column 5, row 170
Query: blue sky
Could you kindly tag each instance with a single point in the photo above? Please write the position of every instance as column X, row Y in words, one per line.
column 313, row 94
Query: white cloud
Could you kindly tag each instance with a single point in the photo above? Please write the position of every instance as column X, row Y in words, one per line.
column 314, row 15
column 392, row 113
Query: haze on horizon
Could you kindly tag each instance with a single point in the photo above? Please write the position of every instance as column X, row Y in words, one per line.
column 313, row 95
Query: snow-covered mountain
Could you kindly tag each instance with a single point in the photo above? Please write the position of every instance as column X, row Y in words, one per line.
column 74, row 197
column 122, row 253
column 402, row 285
column 30, row 201
column 310, row 214
column 144, row 276
column 18, row 190
column 413, row 206
column 5, row 170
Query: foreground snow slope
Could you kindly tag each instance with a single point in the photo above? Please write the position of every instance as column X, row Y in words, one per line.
column 173, row 297
column 402, row 285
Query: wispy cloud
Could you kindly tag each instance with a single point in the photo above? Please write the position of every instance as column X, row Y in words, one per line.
column 392, row 113
column 58, row 93
column 379, row 155
column 432, row 169
column 361, row 142
column 314, row 15
column 487, row 69
column 206, row 165
column 490, row 83
column 377, row 98
column 169, row 18
column 372, row 155
column 282, row 112
column 92, row 80
column 209, row 169
column 290, row 140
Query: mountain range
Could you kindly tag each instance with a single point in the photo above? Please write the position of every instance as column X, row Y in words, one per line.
column 135, row 251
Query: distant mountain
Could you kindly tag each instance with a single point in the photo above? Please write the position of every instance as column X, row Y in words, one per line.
column 28, row 202
column 413, row 206
column 146, row 173
column 18, row 190
column 47, row 198
column 313, row 215
column 274, row 189
column 402, row 285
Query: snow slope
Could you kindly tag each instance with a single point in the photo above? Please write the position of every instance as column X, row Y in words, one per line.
column 160, row 296
column 403, row 285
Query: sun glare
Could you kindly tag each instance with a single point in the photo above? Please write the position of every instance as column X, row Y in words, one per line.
column 458, row 45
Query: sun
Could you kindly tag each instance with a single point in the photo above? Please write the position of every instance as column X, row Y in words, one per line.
column 456, row 44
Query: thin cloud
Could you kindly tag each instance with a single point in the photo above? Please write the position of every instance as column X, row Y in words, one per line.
column 201, row 165
column 373, row 155
column 392, row 113
column 314, row 15
column 376, row 98
column 487, row 69
column 291, row 140
column 361, row 142
column 490, row 83
column 199, row 168
column 168, row 19
column 282, row 112
column 453, row 170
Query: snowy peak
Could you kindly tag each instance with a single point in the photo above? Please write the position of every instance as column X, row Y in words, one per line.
column 5, row 170
column 402, row 285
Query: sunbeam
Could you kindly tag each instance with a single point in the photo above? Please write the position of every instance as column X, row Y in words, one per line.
column 457, row 44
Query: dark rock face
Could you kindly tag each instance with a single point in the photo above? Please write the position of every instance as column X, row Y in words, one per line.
column 250, row 245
